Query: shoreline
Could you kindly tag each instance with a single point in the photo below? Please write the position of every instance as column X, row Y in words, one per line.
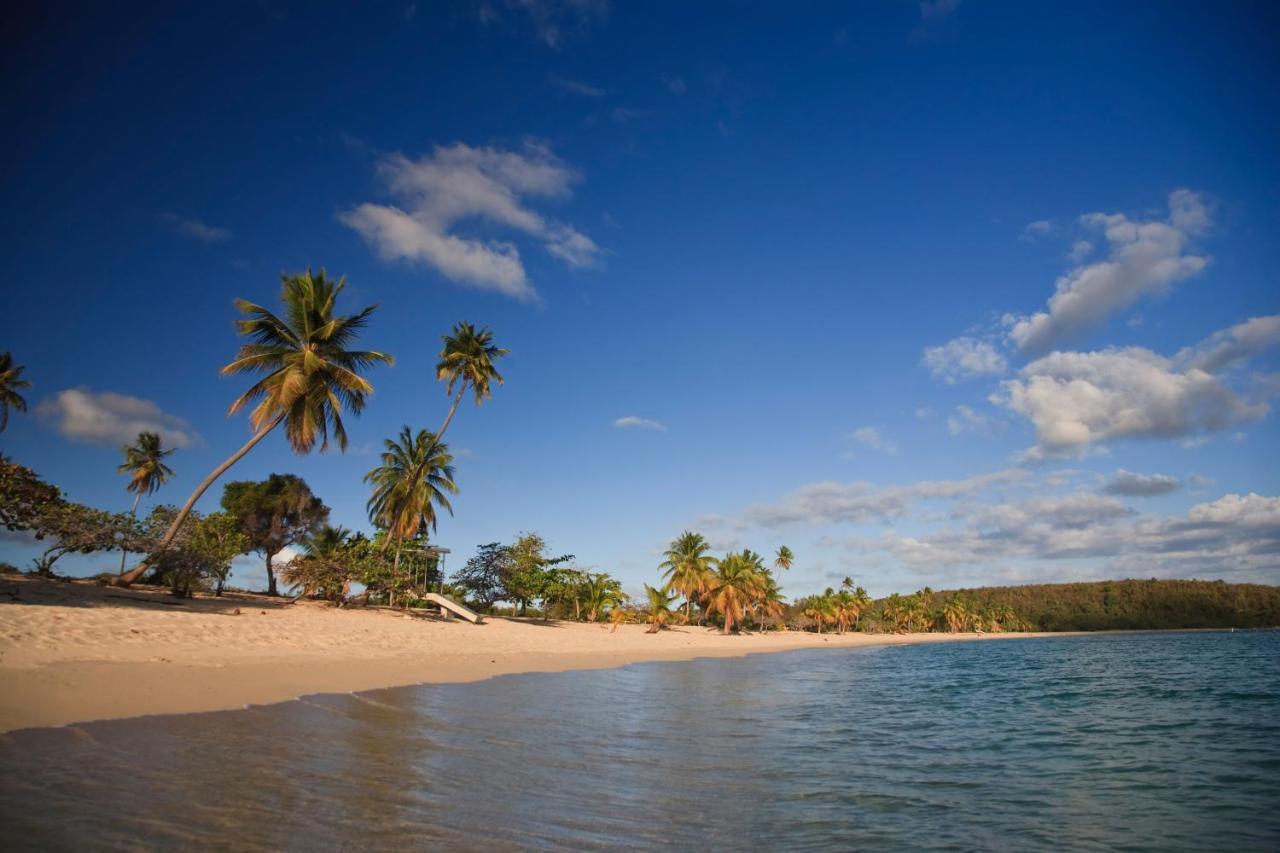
column 73, row 652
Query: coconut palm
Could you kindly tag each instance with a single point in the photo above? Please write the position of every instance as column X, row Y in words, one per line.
column 467, row 360
column 312, row 375
column 326, row 541
column 733, row 588
column 11, row 382
column 784, row 558
column 414, row 477
column 144, row 463
column 687, row 568
column 597, row 594
column 660, row 612
column 770, row 604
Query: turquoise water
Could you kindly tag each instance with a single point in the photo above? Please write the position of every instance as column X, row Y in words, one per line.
column 1120, row 742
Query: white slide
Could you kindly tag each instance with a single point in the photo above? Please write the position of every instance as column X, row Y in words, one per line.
column 451, row 606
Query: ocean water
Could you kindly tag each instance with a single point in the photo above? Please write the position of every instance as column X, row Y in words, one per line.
column 1119, row 742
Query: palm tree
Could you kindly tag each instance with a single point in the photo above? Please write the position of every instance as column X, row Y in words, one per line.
column 10, row 382
column 311, row 375
column 415, row 476
column 784, row 558
column 467, row 359
column 326, row 541
column 597, row 594
column 144, row 463
column 660, row 612
column 733, row 588
column 770, row 604
column 687, row 568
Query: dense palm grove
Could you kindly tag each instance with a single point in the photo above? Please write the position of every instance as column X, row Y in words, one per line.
column 308, row 374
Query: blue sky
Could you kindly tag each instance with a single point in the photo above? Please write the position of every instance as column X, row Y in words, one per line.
column 784, row 278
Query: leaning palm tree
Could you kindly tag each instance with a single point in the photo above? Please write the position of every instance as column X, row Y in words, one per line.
column 467, row 360
column 144, row 463
column 734, row 587
column 784, row 558
column 312, row 375
column 687, row 568
column 414, row 477
column 11, row 382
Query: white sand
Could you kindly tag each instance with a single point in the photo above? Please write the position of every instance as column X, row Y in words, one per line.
column 72, row 652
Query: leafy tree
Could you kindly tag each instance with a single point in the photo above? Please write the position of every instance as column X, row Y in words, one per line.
column 11, row 382
column 78, row 529
column 483, row 577
column 528, row 577
column 467, row 360
column 201, row 553
column 274, row 513
column 23, row 496
column 311, row 375
column 784, row 559
column 414, row 477
column 144, row 463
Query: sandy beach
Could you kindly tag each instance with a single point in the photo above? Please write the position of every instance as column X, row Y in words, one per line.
column 74, row 651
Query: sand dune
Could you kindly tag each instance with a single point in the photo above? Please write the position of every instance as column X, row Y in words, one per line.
column 71, row 652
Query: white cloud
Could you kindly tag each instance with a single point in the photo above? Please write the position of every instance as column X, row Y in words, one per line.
column 577, row 87
column 1080, row 250
column 676, row 85
column 963, row 358
column 1128, row 483
column 107, row 418
column 196, row 229
column 1076, row 399
column 871, row 437
column 1231, row 346
column 1144, row 258
column 634, row 422
column 965, row 419
column 458, row 183
column 1035, row 230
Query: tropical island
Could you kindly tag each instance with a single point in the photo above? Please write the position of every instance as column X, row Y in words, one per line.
column 372, row 608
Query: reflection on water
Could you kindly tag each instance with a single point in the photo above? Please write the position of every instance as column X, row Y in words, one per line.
column 1143, row 742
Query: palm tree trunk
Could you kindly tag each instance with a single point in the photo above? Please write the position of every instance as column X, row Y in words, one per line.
column 395, row 574
column 452, row 409
column 133, row 513
column 137, row 571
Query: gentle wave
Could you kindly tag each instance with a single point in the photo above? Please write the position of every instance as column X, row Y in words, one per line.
column 1137, row 742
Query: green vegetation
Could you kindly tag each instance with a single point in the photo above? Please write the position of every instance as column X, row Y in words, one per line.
column 1115, row 605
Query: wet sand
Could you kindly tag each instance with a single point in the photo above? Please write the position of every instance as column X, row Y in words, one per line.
column 74, row 652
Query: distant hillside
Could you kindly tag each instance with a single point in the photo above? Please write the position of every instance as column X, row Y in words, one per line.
column 1123, row 604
